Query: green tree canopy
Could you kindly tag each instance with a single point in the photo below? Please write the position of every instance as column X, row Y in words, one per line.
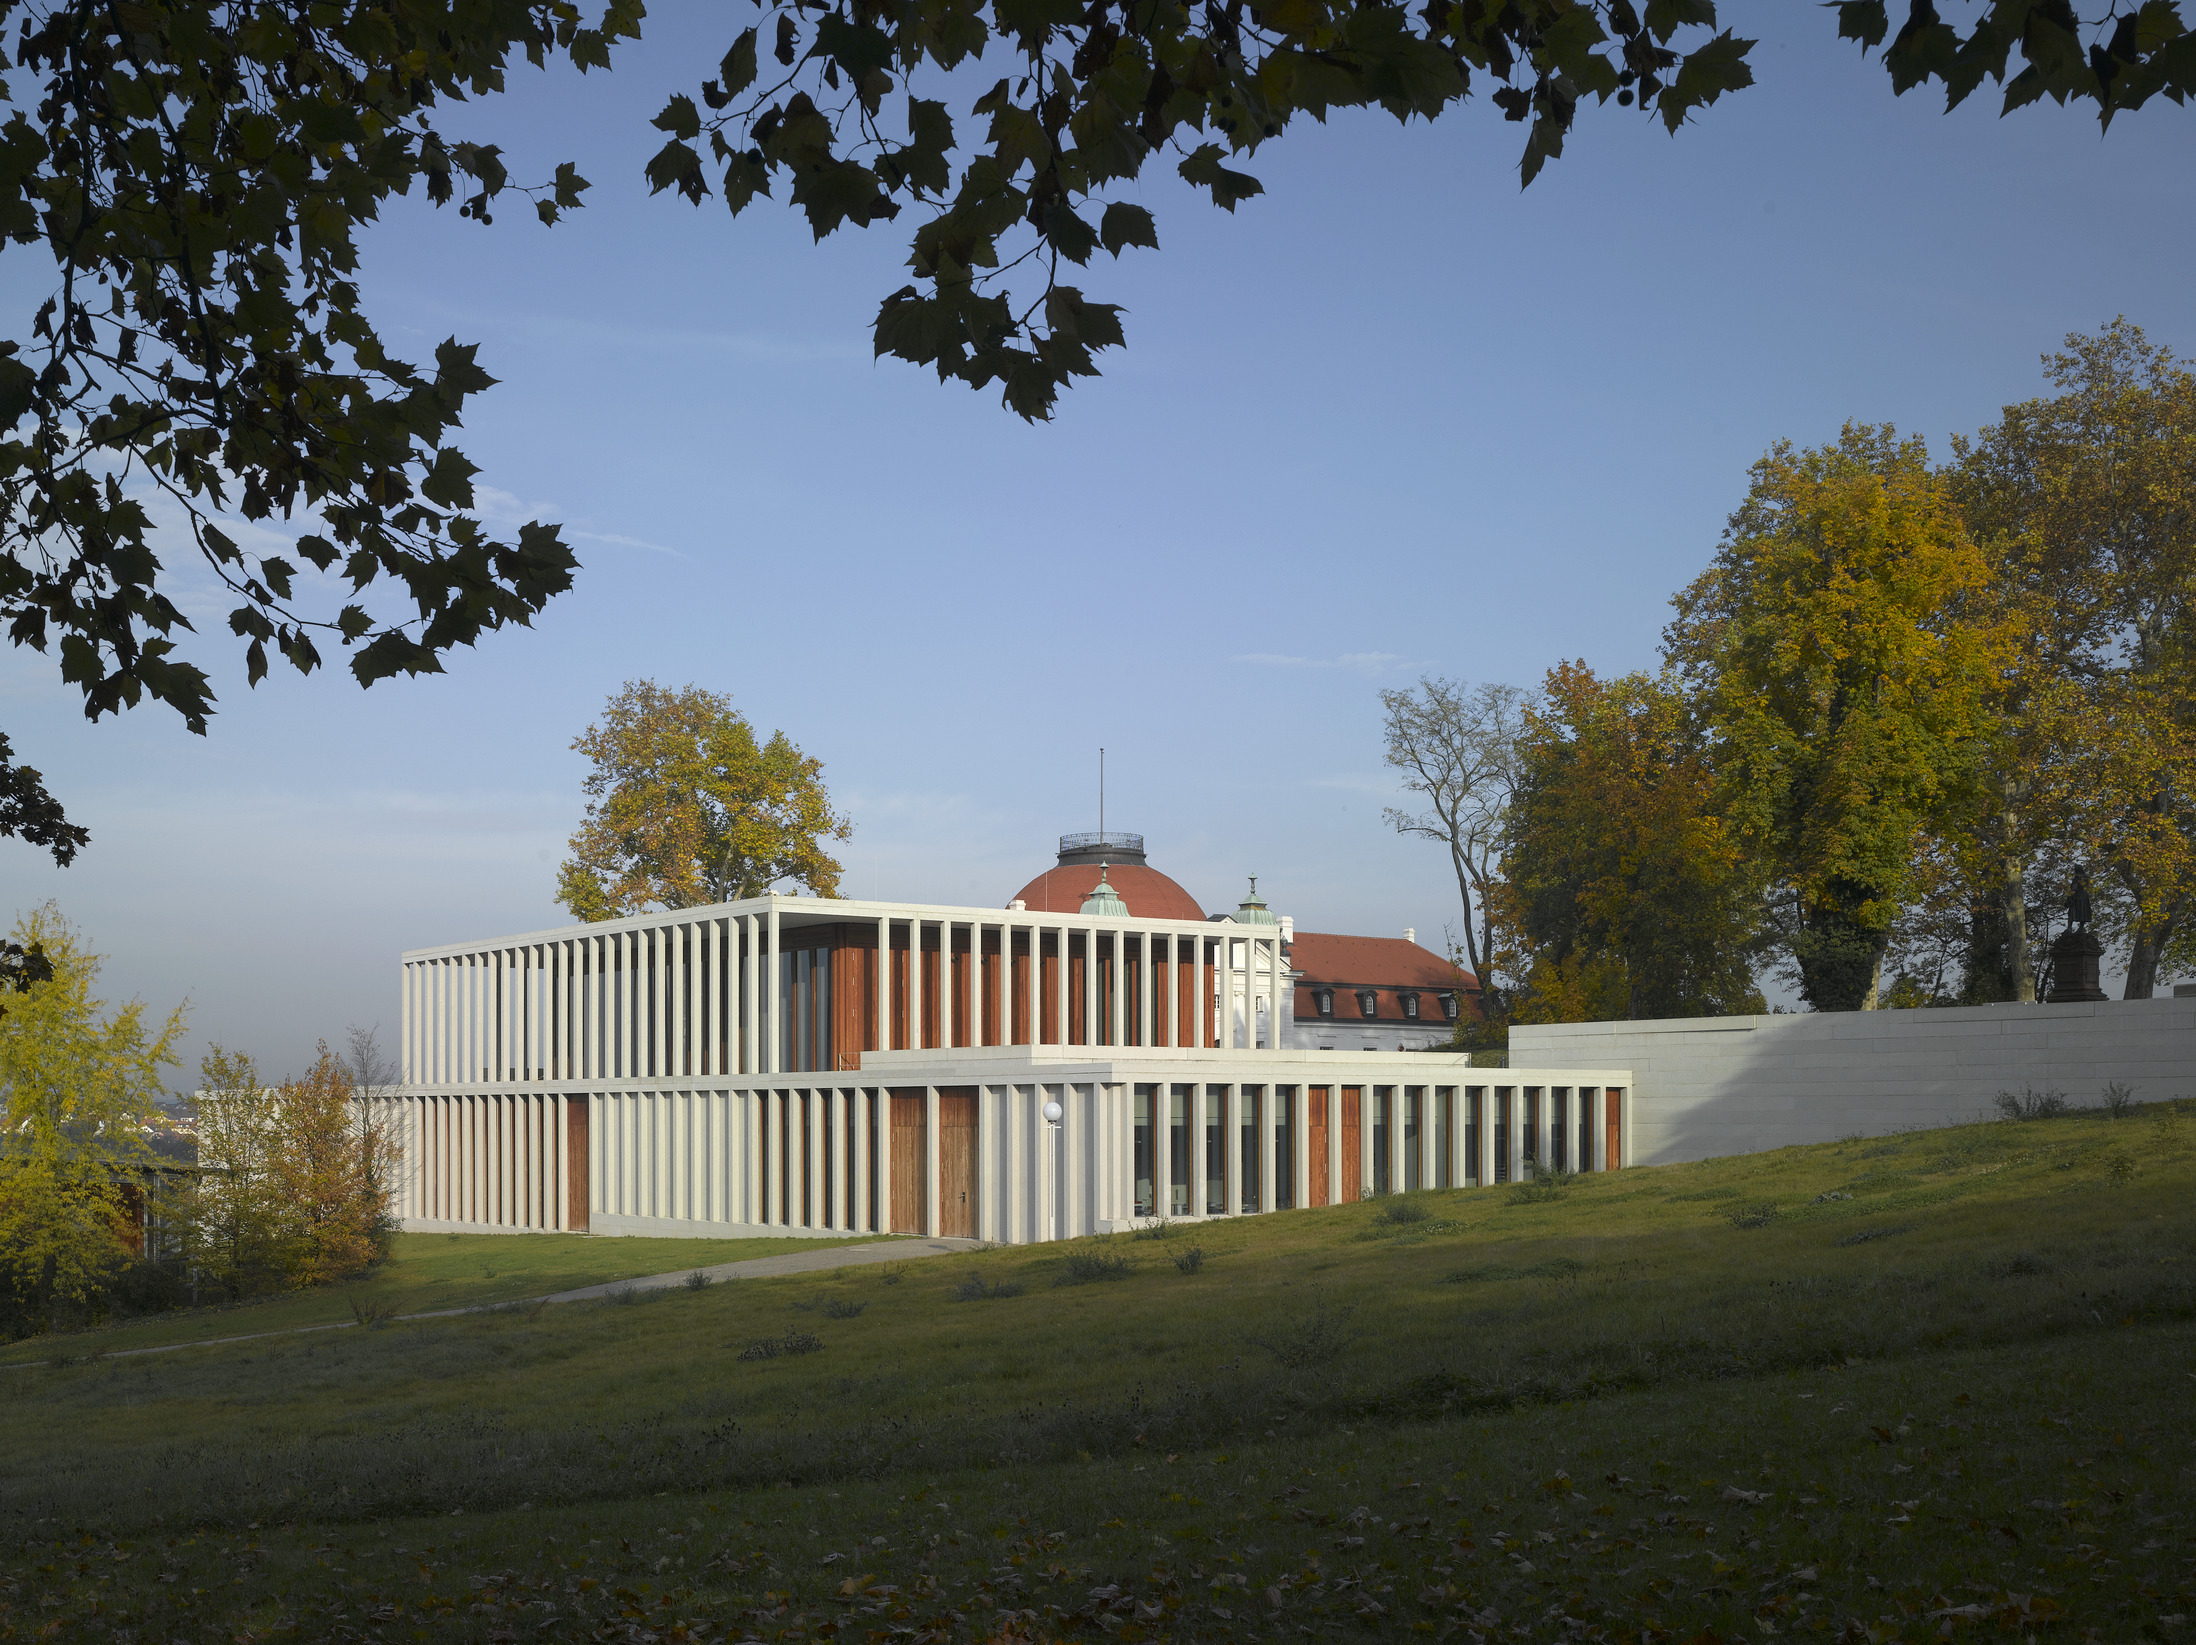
column 685, row 808
column 1627, row 894
column 1844, row 684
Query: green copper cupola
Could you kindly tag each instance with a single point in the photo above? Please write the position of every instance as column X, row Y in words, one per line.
column 1252, row 911
column 1102, row 899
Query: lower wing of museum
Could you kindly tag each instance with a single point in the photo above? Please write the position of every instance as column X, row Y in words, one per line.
column 800, row 1066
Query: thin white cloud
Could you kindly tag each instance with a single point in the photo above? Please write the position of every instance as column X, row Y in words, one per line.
column 616, row 541
column 1371, row 664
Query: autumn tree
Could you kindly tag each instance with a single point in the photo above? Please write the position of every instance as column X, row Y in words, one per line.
column 1843, row 686
column 685, row 807
column 1455, row 746
column 2087, row 502
column 323, row 1172
column 80, row 1085
column 1630, row 894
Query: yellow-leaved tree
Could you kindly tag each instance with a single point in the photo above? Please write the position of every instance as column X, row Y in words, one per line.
column 234, row 1217
column 686, row 807
column 80, row 1086
column 1844, row 653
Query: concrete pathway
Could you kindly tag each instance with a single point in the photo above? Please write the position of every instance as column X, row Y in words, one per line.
column 793, row 1262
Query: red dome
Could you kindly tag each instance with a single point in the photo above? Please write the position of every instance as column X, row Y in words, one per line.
column 1150, row 895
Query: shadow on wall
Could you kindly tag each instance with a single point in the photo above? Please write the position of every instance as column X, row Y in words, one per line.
column 1704, row 1087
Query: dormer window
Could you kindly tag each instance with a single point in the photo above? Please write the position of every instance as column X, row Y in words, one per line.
column 1449, row 1006
column 1323, row 1001
column 1410, row 1005
column 1368, row 1002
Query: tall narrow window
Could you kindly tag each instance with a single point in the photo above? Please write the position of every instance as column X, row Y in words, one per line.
column 1383, row 1106
column 1475, row 1104
column 1178, row 1150
column 1216, row 1151
column 1559, row 1128
column 1414, row 1104
column 1145, row 1199
column 1444, row 1116
column 1284, row 1147
column 1247, row 1152
column 1504, row 1096
column 1531, row 1122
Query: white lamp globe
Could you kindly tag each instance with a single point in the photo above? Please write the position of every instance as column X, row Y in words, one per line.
column 1052, row 1112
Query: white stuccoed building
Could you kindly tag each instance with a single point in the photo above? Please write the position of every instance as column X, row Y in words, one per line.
column 795, row 1065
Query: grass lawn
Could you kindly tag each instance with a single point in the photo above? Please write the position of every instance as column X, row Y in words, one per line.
column 1931, row 1385
column 427, row 1271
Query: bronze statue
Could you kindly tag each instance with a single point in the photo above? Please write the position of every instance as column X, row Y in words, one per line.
column 2077, row 901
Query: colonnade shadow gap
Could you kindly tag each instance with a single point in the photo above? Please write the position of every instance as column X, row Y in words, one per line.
column 808, row 1066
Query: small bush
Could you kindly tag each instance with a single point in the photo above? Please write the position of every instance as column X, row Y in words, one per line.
column 2028, row 1103
column 2120, row 1168
column 793, row 1342
column 1402, row 1210
column 1541, row 1187
column 893, row 1273
column 1084, row 1267
column 370, row 1313
column 840, row 1308
column 2117, row 1100
column 1154, row 1230
column 974, row 1289
column 697, row 1281
column 1191, row 1260
column 1312, row 1340
column 1752, row 1216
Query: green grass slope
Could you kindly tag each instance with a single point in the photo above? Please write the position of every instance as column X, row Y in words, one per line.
column 1887, row 1389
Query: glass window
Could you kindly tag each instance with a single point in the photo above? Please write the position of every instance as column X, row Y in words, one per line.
column 1382, row 1114
column 1444, row 1115
column 1284, row 1147
column 1145, row 1201
column 1368, row 1002
column 1504, row 1100
column 1323, row 998
column 1178, row 1150
column 1559, row 1104
column 1247, row 1149
column 1410, row 1005
column 1414, row 1104
column 1216, row 1151
column 1475, row 1108
column 1531, row 1121
column 1449, row 1006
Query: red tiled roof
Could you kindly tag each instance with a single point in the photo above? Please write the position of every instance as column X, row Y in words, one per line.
column 1388, row 965
column 1149, row 894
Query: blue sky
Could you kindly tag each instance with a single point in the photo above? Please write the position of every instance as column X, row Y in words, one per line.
column 1392, row 417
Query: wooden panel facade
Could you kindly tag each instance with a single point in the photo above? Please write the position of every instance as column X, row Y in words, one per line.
column 957, row 1161
column 1614, row 1098
column 1353, row 1142
column 1315, row 1134
column 575, row 1148
column 907, row 1161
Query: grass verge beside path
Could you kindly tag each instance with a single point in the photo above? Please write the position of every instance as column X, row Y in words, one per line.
column 425, row 1272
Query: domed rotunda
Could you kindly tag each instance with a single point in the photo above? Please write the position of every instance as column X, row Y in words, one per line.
column 1063, row 888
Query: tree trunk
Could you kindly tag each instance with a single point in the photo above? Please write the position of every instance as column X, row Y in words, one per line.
column 2013, row 911
column 2142, row 963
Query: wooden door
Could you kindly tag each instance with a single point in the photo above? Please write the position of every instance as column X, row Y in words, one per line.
column 1315, row 1141
column 907, row 1162
column 1615, row 1156
column 575, row 1173
column 1353, row 1148
column 957, row 1161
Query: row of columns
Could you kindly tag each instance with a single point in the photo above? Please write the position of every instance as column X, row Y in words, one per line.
column 501, row 1159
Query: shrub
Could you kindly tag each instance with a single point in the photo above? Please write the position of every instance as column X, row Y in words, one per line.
column 893, row 1273
column 697, row 1281
column 973, row 1289
column 2028, row 1103
column 2117, row 1099
column 1084, row 1267
column 2120, row 1168
column 1154, row 1230
column 1752, row 1216
column 371, row 1313
column 793, row 1342
column 1403, row 1210
column 1539, row 1188
column 1191, row 1260
column 840, row 1308
column 1312, row 1339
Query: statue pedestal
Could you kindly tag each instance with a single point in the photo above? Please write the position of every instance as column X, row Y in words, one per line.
column 2074, row 960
